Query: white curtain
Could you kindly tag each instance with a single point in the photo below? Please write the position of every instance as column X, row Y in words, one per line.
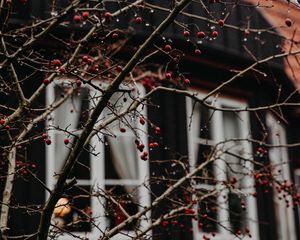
column 122, row 146
column 63, row 117
column 124, row 156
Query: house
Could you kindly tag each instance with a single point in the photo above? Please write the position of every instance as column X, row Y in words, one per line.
column 127, row 165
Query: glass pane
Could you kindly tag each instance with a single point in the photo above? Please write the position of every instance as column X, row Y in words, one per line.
column 73, row 113
column 208, row 217
column 121, row 158
column 73, row 213
column 127, row 197
column 119, row 102
column 82, row 170
column 234, row 156
column 236, row 169
column 202, row 118
column 237, row 214
column 231, row 125
column 204, row 153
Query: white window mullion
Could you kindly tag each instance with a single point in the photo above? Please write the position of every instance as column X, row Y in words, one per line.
column 220, row 172
column 248, row 181
column 144, row 171
column 97, row 176
column 50, row 150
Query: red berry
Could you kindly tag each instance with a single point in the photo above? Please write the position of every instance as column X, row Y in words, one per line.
column 78, row 83
column 246, row 33
column 89, row 61
column 254, row 194
column 186, row 34
column 2, row 121
column 157, row 130
column 142, row 121
column 46, row 81
column 119, row 68
column 144, row 157
column 122, row 130
column 62, row 70
column 85, row 58
column 66, row 141
column 85, row 15
column 56, row 62
column 201, row 34
column 145, row 153
column 165, row 223
column 288, row 22
column 138, row 20
column 48, row 141
column 168, row 75
column 140, row 147
column 214, row 34
column 153, row 145
column 107, row 15
column 77, row 18
column 168, row 48
column 174, row 222
column 221, row 22
column 114, row 36
column 7, row 127
column 187, row 81
column 197, row 51
column 44, row 135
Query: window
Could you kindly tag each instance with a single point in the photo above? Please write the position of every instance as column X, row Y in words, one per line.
column 281, row 172
column 233, row 209
column 110, row 166
column 297, row 183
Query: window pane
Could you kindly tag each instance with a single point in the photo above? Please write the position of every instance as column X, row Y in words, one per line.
column 236, row 169
column 82, row 170
column 121, row 158
column 207, row 214
column 202, row 118
column 233, row 150
column 236, row 213
column 73, row 113
column 203, row 154
column 231, row 125
column 127, row 197
column 73, row 213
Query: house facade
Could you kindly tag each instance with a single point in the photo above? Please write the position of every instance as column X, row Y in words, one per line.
column 125, row 167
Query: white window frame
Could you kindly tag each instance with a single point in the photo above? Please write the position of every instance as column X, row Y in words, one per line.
column 279, row 159
column 297, row 183
column 97, row 174
column 218, row 136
